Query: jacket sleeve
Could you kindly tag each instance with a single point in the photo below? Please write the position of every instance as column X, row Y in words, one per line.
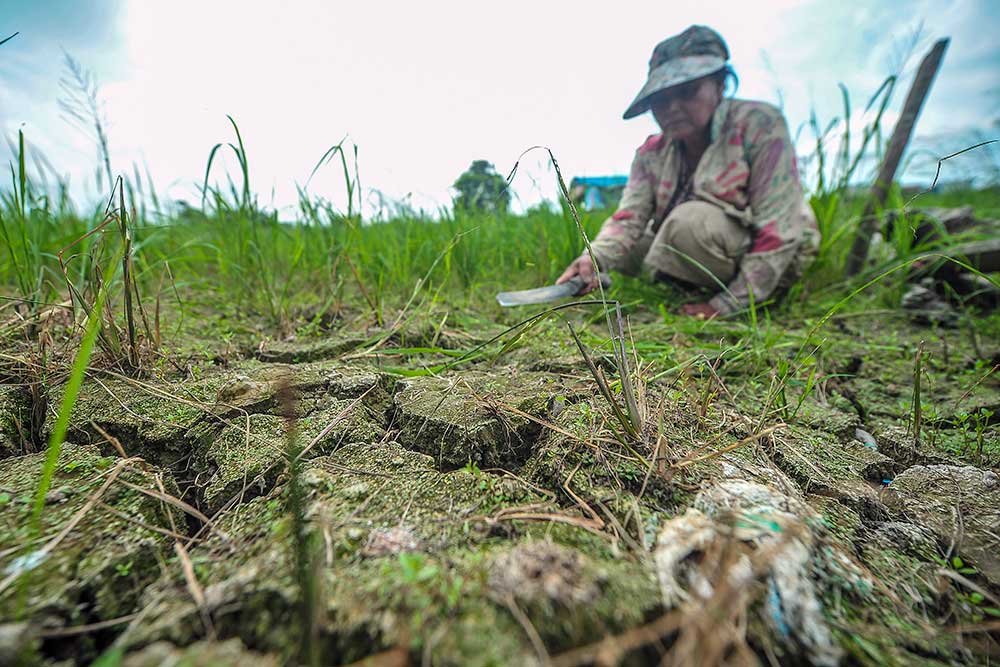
column 779, row 216
column 621, row 231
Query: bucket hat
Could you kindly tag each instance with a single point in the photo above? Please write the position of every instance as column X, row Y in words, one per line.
column 696, row 52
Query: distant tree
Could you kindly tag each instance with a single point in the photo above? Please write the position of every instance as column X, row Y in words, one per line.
column 480, row 188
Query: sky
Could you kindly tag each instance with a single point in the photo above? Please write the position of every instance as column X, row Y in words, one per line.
column 423, row 89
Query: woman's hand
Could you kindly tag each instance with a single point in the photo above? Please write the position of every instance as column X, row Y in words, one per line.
column 703, row 311
column 583, row 267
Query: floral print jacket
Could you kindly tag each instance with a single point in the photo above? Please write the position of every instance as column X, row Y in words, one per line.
column 749, row 170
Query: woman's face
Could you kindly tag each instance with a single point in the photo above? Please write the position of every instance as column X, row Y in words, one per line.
column 685, row 110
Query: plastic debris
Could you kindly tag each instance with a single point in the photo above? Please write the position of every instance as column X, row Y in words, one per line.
column 866, row 439
column 26, row 563
column 759, row 517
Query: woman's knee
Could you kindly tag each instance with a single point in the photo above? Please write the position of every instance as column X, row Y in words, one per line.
column 698, row 224
column 698, row 243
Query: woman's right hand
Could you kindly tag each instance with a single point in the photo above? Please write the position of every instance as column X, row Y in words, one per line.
column 583, row 267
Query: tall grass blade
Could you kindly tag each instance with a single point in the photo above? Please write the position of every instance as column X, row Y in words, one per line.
column 127, row 277
column 58, row 436
column 241, row 155
column 917, row 405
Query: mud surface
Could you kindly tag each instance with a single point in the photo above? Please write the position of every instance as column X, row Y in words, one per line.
column 347, row 497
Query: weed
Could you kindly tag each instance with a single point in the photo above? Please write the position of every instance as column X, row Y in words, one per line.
column 917, row 420
column 69, row 399
column 304, row 552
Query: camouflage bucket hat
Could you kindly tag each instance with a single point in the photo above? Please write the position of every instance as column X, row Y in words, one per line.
column 696, row 52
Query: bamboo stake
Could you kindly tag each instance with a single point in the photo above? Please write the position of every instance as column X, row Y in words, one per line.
column 897, row 144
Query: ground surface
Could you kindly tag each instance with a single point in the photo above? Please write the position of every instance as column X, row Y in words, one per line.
column 247, row 502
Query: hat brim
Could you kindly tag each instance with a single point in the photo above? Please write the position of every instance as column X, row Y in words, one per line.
column 672, row 73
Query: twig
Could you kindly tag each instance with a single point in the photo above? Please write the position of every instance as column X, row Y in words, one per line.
column 610, row 650
column 991, row 626
column 524, row 513
column 110, row 438
column 142, row 524
column 86, row 629
column 728, row 448
column 336, row 420
column 194, row 588
column 951, row 574
column 179, row 504
column 917, row 404
column 937, row 173
column 529, row 629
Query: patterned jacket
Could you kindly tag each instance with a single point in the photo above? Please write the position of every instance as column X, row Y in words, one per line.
column 749, row 170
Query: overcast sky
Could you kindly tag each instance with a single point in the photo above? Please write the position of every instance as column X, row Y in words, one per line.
column 425, row 88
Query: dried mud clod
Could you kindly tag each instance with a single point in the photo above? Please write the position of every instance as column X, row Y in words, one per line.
column 330, row 347
column 249, row 454
column 253, row 387
column 473, row 417
column 897, row 442
column 148, row 419
column 847, row 471
column 959, row 505
column 15, row 421
column 19, row 644
column 389, row 541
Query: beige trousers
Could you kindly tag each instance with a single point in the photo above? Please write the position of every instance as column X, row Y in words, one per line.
column 697, row 243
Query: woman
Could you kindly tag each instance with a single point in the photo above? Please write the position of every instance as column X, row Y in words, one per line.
column 715, row 199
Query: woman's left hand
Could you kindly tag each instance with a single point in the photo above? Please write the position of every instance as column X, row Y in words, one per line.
column 703, row 311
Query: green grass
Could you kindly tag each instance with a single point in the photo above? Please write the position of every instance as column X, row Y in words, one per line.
column 297, row 275
column 285, row 270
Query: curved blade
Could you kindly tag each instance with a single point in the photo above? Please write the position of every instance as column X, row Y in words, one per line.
column 545, row 294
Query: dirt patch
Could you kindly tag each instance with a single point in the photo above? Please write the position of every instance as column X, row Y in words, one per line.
column 229, row 653
column 445, row 522
column 372, row 599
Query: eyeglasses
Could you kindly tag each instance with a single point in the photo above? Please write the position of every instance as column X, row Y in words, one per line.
column 683, row 92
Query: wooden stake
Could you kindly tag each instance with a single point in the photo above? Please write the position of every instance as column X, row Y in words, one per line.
column 897, row 144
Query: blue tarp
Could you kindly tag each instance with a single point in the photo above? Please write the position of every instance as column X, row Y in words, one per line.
column 601, row 181
column 595, row 189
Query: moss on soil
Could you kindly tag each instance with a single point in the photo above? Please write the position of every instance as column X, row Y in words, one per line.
column 99, row 569
column 440, row 517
